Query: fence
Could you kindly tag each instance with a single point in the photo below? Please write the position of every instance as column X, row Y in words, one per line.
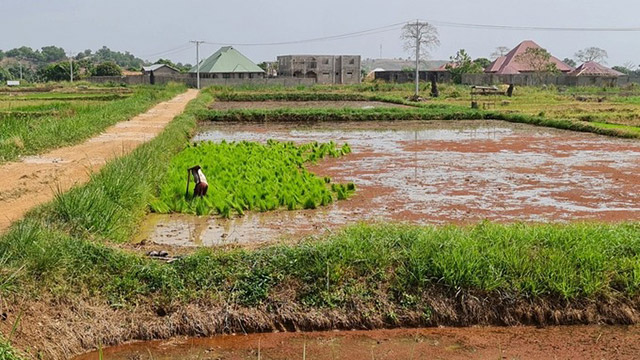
column 547, row 79
column 191, row 81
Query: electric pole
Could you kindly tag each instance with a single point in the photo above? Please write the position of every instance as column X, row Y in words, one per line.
column 418, row 38
column 197, row 42
column 70, row 54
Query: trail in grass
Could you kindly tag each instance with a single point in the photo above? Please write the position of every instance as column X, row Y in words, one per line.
column 35, row 179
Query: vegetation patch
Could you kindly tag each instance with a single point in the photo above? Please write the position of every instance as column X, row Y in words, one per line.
column 74, row 122
column 251, row 176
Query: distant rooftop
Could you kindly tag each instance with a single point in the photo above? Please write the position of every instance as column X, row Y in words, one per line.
column 227, row 60
column 510, row 64
column 592, row 68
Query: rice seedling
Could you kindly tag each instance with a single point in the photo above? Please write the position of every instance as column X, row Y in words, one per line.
column 246, row 176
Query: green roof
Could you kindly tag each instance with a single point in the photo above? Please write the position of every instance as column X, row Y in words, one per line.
column 227, row 60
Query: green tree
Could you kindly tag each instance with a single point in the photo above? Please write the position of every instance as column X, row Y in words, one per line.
column 59, row 72
column 460, row 64
column 570, row 62
column 483, row 62
column 1, row 54
column 107, row 68
column 622, row 69
column 25, row 53
column 5, row 75
column 51, row 54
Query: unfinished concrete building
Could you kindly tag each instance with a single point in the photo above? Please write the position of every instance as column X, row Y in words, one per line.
column 325, row 69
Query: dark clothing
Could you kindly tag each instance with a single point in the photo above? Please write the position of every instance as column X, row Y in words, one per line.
column 200, row 189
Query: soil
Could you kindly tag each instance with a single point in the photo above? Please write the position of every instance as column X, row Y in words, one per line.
column 578, row 342
column 36, row 179
column 433, row 173
column 268, row 105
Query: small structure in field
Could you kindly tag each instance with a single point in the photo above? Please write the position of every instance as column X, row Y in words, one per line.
column 227, row 63
column 512, row 63
column 592, row 68
column 160, row 69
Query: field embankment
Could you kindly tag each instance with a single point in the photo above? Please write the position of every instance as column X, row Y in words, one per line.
column 36, row 180
column 66, row 260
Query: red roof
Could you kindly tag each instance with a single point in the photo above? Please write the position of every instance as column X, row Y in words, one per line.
column 592, row 68
column 509, row 63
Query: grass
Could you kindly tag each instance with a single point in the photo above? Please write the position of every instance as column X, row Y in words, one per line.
column 250, row 176
column 7, row 352
column 30, row 129
column 66, row 249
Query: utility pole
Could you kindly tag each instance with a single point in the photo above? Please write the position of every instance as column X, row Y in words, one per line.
column 70, row 55
column 197, row 42
column 20, row 63
column 418, row 38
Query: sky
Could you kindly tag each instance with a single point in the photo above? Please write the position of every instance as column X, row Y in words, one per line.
column 150, row 29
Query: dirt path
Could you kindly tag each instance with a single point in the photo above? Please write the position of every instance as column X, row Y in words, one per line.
column 35, row 179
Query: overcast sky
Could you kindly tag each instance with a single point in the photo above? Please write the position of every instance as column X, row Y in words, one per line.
column 148, row 28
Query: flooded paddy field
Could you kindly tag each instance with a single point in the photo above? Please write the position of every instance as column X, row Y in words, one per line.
column 576, row 342
column 433, row 173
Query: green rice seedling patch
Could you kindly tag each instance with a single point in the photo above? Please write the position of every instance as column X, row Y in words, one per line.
column 249, row 176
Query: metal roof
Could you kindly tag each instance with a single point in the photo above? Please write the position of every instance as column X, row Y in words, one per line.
column 592, row 68
column 227, row 60
column 155, row 67
column 509, row 63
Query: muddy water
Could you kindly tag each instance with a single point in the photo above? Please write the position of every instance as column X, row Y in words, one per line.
column 433, row 173
column 577, row 342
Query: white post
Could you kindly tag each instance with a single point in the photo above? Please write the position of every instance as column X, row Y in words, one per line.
column 417, row 58
column 71, row 68
column 197, row 42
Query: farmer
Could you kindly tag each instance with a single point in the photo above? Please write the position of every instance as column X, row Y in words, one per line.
column 201, row 181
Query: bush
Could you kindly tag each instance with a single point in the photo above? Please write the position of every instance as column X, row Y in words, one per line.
column 108, row 68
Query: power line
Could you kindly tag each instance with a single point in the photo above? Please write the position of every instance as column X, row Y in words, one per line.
column 534, row 28
column 325, row 38
column 178, row 49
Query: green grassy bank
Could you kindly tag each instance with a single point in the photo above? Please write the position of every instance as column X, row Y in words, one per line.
column 32, row 129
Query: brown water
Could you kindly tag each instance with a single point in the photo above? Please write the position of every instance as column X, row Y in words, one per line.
column 433, row 173
column 576, row 342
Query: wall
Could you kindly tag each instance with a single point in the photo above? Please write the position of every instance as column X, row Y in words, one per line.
column 558, row 80
column 409, row 76
column 325, row 69
column 191, row 81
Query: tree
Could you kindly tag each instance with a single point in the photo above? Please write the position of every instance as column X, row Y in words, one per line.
column 570, row 62
column 5, row 75
column 483, row 62
column 107, row 68
column 1, row 54
column 500, row 51
column 59, row 72
column 460, row 64
column 622, row 69
column 419, row 38
column 539, row 61
column 592, row 54
column 52, row 54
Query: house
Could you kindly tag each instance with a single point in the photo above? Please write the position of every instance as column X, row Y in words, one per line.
column 160, row 69
column 592, row 68
column 511, row 63
column 325, row 69
column 227, row 63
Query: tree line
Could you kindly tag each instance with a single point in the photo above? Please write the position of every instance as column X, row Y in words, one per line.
column 52, row 63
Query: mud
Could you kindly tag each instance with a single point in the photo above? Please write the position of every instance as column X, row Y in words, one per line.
column 269, row 105
column 433, row 173
column 578, row 342
column 34, row 180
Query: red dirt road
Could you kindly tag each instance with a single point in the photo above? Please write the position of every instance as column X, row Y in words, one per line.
column 575, row 342
column 35, row 180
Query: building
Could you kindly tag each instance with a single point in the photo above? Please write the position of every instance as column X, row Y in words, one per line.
column 325, row 69
column 227, row 63
column 511, row 64
column 160, row 69
column 592, row 68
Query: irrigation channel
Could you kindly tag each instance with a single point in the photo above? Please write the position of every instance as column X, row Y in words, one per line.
column 578, row 342
column 432, row 173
